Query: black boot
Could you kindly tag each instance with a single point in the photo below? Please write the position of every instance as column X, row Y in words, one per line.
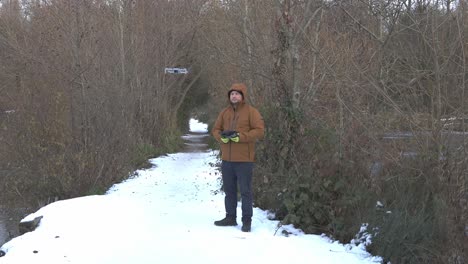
column 246, row 224
column 227, row 221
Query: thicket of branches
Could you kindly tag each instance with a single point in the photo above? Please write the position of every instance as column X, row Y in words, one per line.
column 359, row 100
column 84, row 95
column 364, row 104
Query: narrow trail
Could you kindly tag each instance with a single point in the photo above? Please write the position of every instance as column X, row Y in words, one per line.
column 165, row 214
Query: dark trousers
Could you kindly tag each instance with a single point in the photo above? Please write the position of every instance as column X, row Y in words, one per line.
column 235, row 173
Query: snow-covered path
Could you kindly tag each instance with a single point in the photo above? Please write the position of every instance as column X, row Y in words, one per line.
column 165, row 215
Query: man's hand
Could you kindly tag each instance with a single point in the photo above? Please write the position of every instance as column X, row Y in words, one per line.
column 224, row 139
column 235, row 138
column 229, row 135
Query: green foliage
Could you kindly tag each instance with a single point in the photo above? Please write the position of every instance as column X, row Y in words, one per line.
column 168, row 143
column 413, row 222
column 142, row 153
column 171, row 142
column 319, row 193
column 407, row 237
column 304, row 206
column 328, row 204
column 96, row 190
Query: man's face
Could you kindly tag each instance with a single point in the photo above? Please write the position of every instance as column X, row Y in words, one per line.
column 235, row 97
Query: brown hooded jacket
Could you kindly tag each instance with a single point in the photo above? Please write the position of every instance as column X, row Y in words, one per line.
column 244, row 119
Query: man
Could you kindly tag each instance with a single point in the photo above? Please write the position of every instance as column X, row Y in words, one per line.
column 237, row 128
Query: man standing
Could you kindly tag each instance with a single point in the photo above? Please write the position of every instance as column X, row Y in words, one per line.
column 237, row 128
